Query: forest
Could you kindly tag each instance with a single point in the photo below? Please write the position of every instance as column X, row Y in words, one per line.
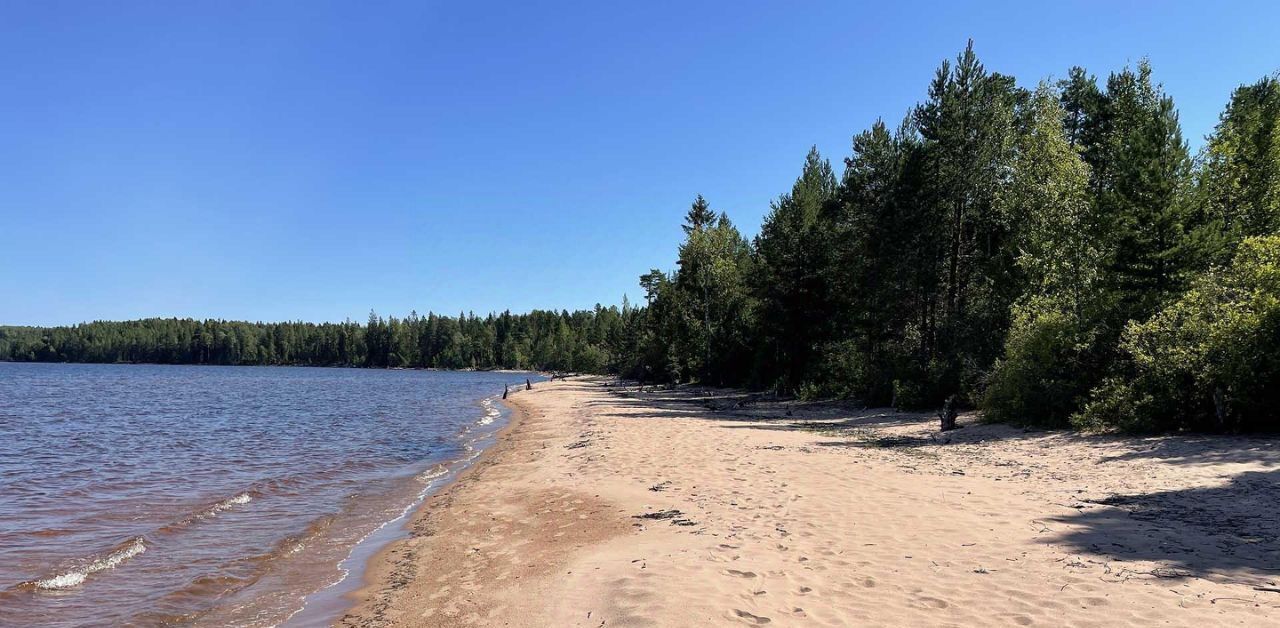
column 540, row 340
column 1052, row 255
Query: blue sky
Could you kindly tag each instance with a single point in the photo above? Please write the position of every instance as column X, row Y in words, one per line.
column 311, row 160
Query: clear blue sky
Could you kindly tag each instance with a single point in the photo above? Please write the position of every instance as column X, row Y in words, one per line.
column 311, row 160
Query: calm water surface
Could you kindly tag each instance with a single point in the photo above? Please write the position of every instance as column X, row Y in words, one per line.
column 134, row 494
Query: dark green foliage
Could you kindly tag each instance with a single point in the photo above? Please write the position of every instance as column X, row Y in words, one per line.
column 589, row 341
column 697, row 324
column 791, row 257
column 1044, row 374
column 966, row 127
column 994, row 247
column 874, row 271
column 711, row 286
column 699, row 217
column 1210, row 360
column 1238, row 183
column 1051, row 349
column 1146, row 174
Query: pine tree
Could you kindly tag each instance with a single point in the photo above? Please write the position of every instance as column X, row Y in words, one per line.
column 1147, row 168
column 869, row 268
column 966, row 127
column 714, row 271
column 1238, row 183
column 792, row 253
column 699, row 216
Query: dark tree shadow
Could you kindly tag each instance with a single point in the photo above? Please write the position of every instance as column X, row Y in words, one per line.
column 1204, row 449
column 1205, row 531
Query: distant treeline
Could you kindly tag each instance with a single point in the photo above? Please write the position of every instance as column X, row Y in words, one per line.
column 542, row 340
column 1052, row 255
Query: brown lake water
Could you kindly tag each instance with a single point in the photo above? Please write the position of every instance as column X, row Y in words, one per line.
column 150, row 494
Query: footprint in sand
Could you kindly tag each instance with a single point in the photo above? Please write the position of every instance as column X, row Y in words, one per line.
column 751, row 619
column 740, row 574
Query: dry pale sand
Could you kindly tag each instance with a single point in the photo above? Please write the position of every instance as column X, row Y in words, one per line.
column 817, row 514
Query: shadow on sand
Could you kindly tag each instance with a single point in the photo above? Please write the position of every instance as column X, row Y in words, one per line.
column 1227, row 532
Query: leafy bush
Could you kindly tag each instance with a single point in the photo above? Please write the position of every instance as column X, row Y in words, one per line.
column 1044, row 372
column 908, row 394
column 844, row 371
column 925, row 385
column 1210, row 360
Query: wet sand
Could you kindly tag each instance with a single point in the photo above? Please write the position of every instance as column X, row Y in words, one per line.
column 601, row 506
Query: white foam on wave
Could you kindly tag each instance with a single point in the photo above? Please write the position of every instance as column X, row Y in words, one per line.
column 242, row 498
column 433, row 473
column 76, row 576
column 491, row 411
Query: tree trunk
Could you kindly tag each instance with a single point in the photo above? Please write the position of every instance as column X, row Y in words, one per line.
column 948, row 414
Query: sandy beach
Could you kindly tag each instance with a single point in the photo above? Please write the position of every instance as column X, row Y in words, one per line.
column 605, row 506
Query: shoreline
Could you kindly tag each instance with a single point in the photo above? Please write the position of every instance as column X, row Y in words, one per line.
column 599, row 506
column 331, row 603
column 375, row 575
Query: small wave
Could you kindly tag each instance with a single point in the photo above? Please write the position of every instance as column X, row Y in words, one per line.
column 242, row 498
column 207, row 512
column 491, row 411
column 437, row 471
column 76, row 576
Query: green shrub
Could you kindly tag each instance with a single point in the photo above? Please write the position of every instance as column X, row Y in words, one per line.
column 1210, row 360
column 1045, row 369
column 909, row 394
column 844, row 371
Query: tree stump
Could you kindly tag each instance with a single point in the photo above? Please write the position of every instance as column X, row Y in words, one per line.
column 948, row 414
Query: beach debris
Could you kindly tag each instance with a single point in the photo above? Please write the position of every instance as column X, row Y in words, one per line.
column 659, row 515
column 674, row 516
column 578, row 445
column 661, row 486
column 1169, row 572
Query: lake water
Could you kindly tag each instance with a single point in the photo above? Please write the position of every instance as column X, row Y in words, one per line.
column 140, row 494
